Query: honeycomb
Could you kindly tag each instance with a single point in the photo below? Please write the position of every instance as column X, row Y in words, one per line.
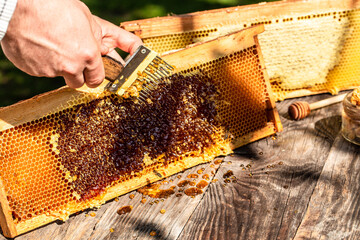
column 166, row 43
column 91, row 145
column 305, row 51
column 243, row 96
column 178, row 40
column 96, row 145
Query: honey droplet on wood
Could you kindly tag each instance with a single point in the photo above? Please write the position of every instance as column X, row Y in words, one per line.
column 183, row 183
column 218, row 161
column 193, row 191
column 124, row 210
column 153, row 191
column 193, row 175
column 192, row 183
column 202, row 184
column 206, row 177
column 228, row 174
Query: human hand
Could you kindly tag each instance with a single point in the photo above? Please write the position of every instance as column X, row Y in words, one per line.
column 62, row 38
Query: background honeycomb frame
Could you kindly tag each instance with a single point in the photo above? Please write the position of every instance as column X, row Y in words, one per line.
column 329, row 72
column 221, row 54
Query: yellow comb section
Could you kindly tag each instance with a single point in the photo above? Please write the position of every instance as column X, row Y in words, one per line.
column 308, row 47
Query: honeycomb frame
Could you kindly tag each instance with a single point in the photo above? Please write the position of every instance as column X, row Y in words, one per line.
column 227, row 59
column 308, row 72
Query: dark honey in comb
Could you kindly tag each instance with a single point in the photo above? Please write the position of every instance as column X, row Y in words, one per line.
column 179, row 119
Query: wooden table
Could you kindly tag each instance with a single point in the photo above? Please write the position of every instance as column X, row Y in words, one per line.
column 302, row 184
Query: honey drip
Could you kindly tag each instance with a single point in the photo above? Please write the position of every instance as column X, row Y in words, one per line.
column 218, row 161
column 202, row 184
column 206, row 176
column 124, row 210
column 193, row 175
column 193, row 191
column 183, row 183
column 230, row 173
column 153, row 191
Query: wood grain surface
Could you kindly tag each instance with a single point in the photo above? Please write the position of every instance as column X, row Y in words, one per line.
column 301, row 184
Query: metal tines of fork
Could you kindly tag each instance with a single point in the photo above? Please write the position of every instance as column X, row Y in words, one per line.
column 154, row 74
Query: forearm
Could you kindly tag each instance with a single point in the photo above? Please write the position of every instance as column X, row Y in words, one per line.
column 7, row 8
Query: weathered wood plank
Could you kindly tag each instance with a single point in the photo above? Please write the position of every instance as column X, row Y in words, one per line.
column 271, row 203
column 159, row 26
column 334, row 210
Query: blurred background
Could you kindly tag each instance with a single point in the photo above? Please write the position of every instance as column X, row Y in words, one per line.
column 16, row 85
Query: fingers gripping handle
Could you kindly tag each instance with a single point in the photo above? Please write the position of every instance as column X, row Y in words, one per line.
column 112, row 67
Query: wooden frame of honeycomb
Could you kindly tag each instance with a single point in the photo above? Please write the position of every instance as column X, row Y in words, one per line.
column 36, row 185
column 309, row 47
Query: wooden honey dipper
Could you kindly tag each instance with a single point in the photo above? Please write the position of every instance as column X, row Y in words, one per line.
column 300, row 110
